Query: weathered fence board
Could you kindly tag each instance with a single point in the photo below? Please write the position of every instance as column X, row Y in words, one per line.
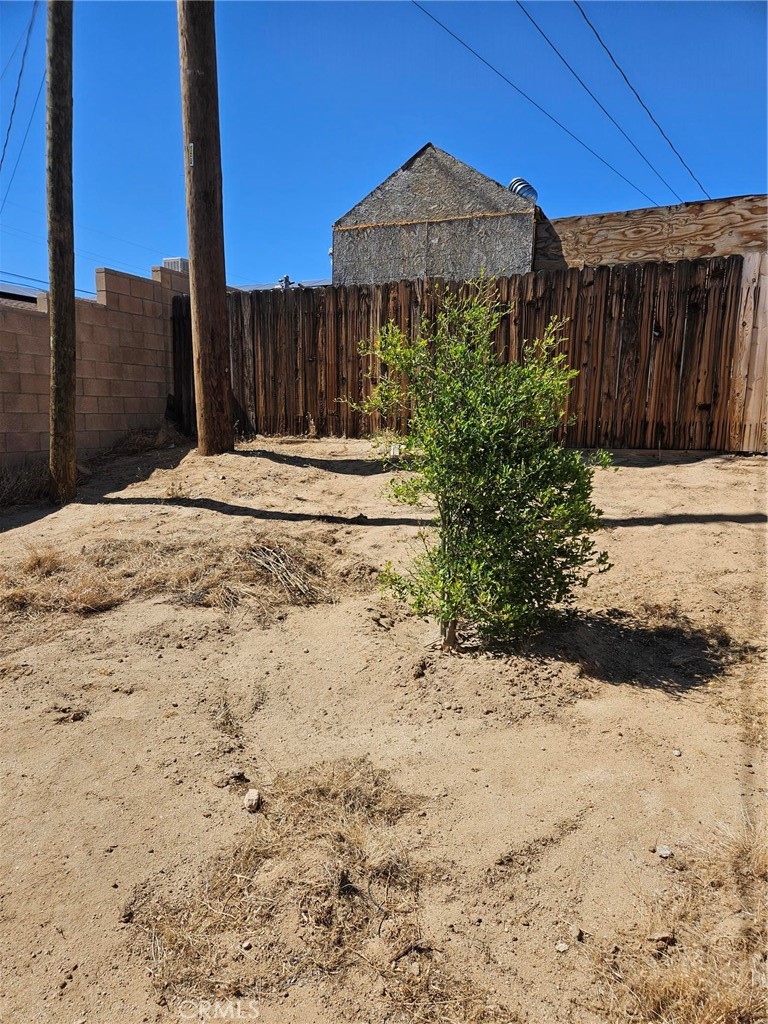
column 670, row 355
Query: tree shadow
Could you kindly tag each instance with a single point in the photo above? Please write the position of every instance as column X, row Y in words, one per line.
column 666, row 652
column 652, row 458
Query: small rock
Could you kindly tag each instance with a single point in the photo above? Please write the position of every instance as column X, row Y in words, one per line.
column 246, row 945
column 420, row 668
column 252, row 800
column 234, row 777
column 664, row 851
column 677, row 753
column 576, row 933
column 562, row 947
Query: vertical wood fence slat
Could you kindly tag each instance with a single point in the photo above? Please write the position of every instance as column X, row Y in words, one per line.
column 669, row 355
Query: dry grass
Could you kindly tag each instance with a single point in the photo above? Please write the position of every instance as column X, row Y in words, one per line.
column 20, row 485
column 703, row 957
column 101, row 576
column 321, row 887
column 224, row 719
column 671, row 618
column 136, row 442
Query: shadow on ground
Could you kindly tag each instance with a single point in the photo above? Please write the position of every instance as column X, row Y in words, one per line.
column 671, row 655
column 683, row 519
column 268, row 514
column 110, row 471
column 349, row 467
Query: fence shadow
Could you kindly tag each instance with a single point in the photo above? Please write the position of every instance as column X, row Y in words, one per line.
column 667, row 653
column 683, row 518
column 267, row 514
column 348, row 467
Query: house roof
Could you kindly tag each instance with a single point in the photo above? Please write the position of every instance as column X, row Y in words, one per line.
column 18, row 294
column 433, row 185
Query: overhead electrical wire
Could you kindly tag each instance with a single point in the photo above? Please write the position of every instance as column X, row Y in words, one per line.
column 18, row 82
column 86, row 253
column 94, row 256
column 586, row 88
column 99, row 256
column 23, row 143
column 38, row 280
column 13, row 54
column 532, row 101
column 639, row 98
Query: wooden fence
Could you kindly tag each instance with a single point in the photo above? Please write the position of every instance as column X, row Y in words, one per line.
column 670, row 355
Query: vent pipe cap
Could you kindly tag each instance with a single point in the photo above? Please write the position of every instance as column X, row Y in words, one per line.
column 521, row 187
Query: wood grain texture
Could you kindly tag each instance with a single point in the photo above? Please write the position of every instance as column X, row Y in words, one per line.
column 669, row 355
column 205, row 227
column 61, row 253
column 713, row 227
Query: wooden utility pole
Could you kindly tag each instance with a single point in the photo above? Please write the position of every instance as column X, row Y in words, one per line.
column 61, row 251
column 205, row 227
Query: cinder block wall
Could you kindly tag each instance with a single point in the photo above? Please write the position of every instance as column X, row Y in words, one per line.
column 124, row 364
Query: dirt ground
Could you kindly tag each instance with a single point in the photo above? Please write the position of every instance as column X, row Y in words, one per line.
column 546, row 781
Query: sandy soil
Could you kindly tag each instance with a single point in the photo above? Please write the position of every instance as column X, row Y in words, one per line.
column 570, row 761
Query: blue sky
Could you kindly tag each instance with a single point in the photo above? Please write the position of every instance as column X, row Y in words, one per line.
column 321, row 101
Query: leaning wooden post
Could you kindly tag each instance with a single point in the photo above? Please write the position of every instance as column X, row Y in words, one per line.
column 205, row 228
column 61, row 251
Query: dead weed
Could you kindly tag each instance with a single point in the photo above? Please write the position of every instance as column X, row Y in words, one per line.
column 205, row 573
column 20, row 485
column 702, row 957
column 224, row 719
column 320, row 887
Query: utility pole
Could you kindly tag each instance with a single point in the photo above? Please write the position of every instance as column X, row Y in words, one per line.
column 205, row 227
column 61, row 251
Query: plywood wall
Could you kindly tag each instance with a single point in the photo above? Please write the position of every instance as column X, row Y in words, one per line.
column 716, row 227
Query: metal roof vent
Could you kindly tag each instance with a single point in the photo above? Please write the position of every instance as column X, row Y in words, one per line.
column 523, row 188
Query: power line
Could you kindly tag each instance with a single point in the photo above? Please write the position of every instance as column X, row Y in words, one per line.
column 586, row 88
column 39, row 280
column 530, row 99
column 639, row 99
column 86, row 253
column 23, row 143
column 18, row 81
column 13, row 54
column 93, row 257
column 104, row 234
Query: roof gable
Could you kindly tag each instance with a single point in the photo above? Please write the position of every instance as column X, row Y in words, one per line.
column 433, row 185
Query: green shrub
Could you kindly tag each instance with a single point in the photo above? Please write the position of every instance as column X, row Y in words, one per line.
column 514, row 508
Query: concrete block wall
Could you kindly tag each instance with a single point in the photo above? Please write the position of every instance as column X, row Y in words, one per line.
column 124, row 364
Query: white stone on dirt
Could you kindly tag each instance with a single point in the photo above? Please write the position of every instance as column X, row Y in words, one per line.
column 252, row 800
column 562, row 947
column 664, row 851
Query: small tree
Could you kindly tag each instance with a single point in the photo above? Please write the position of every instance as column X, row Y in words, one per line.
column 514, row 508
